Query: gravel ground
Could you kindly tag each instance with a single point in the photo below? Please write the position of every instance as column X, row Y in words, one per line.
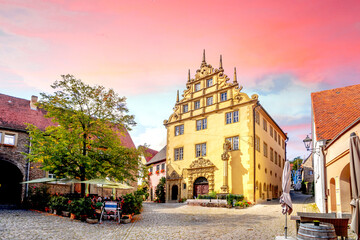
column 158, row 221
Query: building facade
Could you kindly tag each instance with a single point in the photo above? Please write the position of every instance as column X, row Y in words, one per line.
column 157, row 170
column 220, row 139
column 333, row 111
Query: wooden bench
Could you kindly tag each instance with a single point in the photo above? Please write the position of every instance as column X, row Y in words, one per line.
column 340, row 224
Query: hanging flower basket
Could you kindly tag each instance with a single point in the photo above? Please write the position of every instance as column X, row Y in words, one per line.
column 150, row 173
column 157, row 171
column 162, row 170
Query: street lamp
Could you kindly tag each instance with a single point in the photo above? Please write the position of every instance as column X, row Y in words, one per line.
column 307, row 142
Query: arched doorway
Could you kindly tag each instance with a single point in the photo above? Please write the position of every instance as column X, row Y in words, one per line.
column 201, row 186
column 10, row 187
column 174, row 192
column 345, row 189
column 333, row 195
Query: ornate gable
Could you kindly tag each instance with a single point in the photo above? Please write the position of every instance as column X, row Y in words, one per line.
column 221, row 82
column 201, row 163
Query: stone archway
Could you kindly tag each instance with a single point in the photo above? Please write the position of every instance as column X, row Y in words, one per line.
column 345, row 189
column 200, row 168
column 10, row 187
column 201, row 186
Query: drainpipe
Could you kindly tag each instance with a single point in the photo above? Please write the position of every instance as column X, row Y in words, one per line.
column 27, row 177
column 325, row 178
column 256, row 105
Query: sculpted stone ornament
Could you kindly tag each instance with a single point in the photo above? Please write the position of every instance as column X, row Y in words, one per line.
column 227, row 147
column 201, row 163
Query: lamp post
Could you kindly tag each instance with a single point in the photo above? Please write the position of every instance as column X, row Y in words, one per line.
column 307, row 142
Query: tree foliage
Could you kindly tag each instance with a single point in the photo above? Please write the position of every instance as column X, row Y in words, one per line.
column 84, row 142
column 160, row 191
column 297, row 163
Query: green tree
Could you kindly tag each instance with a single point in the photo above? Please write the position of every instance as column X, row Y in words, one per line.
column 84, row 142
column 160, row 190
column 297, row 163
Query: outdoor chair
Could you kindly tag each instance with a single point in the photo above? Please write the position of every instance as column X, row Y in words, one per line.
column 111, row 209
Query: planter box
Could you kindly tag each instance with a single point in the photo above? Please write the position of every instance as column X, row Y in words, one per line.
column 92, row 221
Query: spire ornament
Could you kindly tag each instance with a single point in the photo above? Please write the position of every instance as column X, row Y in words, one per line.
column 235, row 77
column 177, row 97
column 189, row 75
column 221, row 66
column 203, row 63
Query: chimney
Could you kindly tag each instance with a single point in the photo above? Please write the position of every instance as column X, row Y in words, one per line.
column 33, row 100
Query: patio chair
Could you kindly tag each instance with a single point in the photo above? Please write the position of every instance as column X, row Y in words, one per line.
column 111, row 209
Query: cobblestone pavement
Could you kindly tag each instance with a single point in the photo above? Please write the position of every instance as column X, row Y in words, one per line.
column 157, row 221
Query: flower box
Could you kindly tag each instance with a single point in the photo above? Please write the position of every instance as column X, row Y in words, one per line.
column 157, row 171
column 162, row 170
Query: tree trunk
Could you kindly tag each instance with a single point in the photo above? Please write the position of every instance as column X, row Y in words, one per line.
column 83, row 185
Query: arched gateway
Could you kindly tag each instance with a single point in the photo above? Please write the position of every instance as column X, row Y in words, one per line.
column 10, row 187
column 201, row 186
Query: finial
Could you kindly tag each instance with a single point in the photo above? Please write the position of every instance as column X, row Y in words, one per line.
column 177, row 97
column 235, row 77
column 189, row 75
column 221, row 67
column 204, row 57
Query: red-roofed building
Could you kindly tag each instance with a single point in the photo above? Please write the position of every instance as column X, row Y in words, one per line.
column 334, row 111
column 14, row 140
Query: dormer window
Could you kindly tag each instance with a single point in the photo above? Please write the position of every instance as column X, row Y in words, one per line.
column 209, row 82
column 197, row 87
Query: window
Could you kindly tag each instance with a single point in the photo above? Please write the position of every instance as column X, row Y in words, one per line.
column 271, row 154
column 223, row 96
column 197, row 87
column 265, row 150
column 279, row 160
column 184, row 185
column 276, row 157
column 275, row 136
column 310, row 172
column 234, row 142
column 201, row 124
column 163, row 166
column 232, row 117
column 179, row 130
column 150, row 169
column 197, row 105
column 283, row 144
column 209, row 82
column 9, row 139
column 185, row 108
column 179, row 153
column 265, row 124
column 158, row 167
column 257, row 117
column 257, row 143
column 279, row 140
column 271, row 131
column 209, row 101
column 200, row 150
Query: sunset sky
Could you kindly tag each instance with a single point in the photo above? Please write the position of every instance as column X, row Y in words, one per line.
column 283, row 51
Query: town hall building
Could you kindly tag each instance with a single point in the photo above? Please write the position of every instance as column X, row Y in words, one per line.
column 220, row 139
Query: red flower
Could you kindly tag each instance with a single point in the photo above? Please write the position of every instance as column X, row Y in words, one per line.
column 162, row 170
column 157, row 171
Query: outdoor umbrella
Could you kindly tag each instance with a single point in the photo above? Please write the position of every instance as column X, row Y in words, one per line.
column 118, row 186
column 355, row 181
column 40, row 180
column 285, row 199
column 102, row 181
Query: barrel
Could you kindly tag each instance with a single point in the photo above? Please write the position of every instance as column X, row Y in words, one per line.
column 310, row 231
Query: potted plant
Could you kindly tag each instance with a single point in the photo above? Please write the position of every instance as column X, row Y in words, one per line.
column 157, row 172
column 162, row 170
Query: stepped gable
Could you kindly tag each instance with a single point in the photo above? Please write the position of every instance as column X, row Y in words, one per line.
column 334, row 110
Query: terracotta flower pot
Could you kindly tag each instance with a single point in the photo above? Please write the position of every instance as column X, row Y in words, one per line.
column 92, row 221
column 72, row 216
column 66, row 214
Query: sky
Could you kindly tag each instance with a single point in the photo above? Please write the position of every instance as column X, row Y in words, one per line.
column 283, row 50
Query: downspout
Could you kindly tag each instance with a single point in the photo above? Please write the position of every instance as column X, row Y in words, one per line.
column 27, row 177
column 254, row 152
column 325, row 178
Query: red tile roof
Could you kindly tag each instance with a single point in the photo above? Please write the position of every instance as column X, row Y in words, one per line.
column 16, row 112
column 150, row 154
column 334, row 110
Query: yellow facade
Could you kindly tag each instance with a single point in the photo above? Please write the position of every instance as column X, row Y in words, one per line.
column 233, row 119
